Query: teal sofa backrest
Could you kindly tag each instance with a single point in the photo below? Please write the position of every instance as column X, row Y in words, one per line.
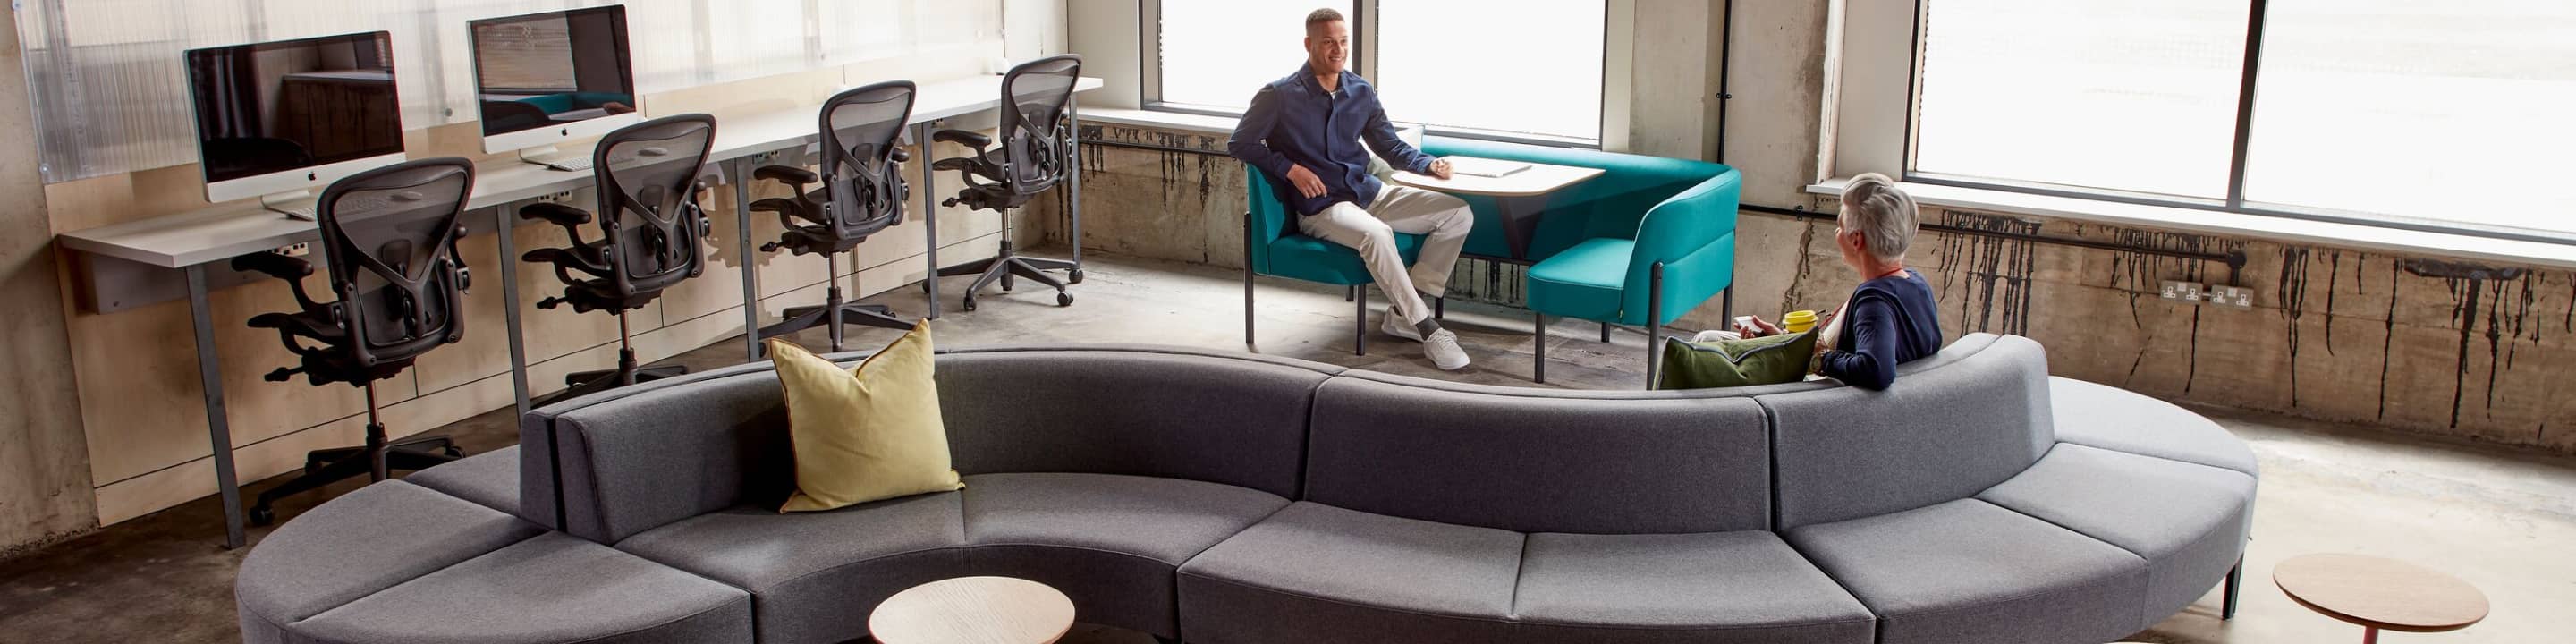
column 1610, row 205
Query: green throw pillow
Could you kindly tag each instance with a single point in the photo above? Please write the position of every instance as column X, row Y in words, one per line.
column 1736, row 363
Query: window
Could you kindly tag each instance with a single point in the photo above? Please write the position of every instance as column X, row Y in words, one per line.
column 2393, row 112
column 1533, row 69
column 2418, row 109
column 1212, row 55
column 1216, row 53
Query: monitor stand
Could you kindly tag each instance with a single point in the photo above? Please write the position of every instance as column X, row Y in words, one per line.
column 298, row 205
column 554, row 159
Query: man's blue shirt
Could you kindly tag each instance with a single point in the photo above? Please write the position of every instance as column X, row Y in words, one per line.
column 1294, row 122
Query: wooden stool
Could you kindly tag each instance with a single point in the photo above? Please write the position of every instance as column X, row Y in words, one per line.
column 973, row 610
column 2380, row 594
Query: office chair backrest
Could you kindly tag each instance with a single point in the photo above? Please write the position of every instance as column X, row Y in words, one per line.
column 861, row 131
column 1037, row 96
column 389, row 240
column 648, row 206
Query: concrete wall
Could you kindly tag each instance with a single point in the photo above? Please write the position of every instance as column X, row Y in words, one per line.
column 44, row 469
column 2386, row 339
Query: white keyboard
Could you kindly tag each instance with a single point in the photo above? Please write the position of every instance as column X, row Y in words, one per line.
column 569, row 164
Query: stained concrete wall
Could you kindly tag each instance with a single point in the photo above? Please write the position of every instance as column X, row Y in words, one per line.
column 44, row 464
column 2338, row 334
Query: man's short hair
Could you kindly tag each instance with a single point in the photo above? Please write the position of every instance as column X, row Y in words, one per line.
column 1321, row 16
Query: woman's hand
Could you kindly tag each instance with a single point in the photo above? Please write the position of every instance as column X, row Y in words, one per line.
column 1753, row 326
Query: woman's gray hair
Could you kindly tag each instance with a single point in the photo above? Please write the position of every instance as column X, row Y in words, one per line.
column 1882, row 214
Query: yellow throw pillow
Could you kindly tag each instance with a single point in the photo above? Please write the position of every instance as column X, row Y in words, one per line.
column 864, row 434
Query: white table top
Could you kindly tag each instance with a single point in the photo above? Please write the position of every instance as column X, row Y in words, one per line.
column 226, row 231
column 973, row 610
column 1539, row 179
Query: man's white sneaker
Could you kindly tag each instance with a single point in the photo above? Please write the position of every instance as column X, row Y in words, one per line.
column 1443, row 349
column 1396, row 326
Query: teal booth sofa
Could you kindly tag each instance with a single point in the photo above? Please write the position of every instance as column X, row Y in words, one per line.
column 1642, row 244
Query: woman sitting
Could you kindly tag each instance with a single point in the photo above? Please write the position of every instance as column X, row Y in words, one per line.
column 1892, row 317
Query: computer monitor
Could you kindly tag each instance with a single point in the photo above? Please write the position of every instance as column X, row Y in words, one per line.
column 277, row 120
column 541, row 79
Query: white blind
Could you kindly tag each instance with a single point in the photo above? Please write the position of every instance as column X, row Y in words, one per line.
column 111, row 92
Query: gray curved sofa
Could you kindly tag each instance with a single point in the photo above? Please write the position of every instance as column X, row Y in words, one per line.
column 1240, row 499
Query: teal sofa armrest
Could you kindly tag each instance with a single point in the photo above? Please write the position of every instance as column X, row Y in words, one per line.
column 1693, row 235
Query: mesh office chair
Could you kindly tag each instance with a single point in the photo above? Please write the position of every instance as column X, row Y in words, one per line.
column 652, row 235
column 863, row 192
column 389, row 239
column 1037, row 134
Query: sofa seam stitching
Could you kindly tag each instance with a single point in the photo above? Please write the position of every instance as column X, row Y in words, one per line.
column 1516, row 622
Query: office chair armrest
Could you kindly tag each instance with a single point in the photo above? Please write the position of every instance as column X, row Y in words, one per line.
column 788, row 210
column 975, row 140
column 562, row 215
column 274, row 265
column 901, row 155
column 566, row 258
column 290, row 269
column 788, row 175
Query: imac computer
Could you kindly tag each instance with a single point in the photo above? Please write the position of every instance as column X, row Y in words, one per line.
column 542, row 79
column 279, row 120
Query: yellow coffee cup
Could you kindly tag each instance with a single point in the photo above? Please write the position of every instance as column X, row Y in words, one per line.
column 1798, row 321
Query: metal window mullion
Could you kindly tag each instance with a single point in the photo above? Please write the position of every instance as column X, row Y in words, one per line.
column 2245, row 103
column 705, row 38
column 1149, row 46
column 814, row 50
column 1364, row 33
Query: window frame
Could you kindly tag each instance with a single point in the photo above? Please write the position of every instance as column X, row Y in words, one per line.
column 1863, row 135
column 1364, row 58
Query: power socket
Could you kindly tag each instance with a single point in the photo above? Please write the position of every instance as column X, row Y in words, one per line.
column 2188, row 292
column 2235, row 296
column 300, row 249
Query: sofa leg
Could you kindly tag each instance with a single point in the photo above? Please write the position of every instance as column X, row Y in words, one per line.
column 1352, row 293
column 1247, row 303
column 1538, row 348
column 1605, row 333
column 1654, row 321
column 2235, row 579
column 1359, row 322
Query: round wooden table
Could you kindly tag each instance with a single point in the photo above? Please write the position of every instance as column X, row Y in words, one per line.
column 2380, row 594
column 973, row 610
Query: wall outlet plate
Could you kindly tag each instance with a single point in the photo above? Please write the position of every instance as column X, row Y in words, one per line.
column 2179, row 291
column 2235, row 296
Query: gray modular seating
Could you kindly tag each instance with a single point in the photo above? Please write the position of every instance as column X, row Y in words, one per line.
column 1241, row 499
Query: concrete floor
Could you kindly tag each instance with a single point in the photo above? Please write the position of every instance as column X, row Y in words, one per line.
column 2500, row 519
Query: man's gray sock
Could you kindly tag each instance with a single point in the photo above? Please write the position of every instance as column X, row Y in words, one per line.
column 1427, row 326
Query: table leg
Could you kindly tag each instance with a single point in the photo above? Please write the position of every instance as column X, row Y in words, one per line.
column 219, row 431
column 929, row 221
column 2369, row 635
column 510, row 309
column 741, row 170
column 1520, row 222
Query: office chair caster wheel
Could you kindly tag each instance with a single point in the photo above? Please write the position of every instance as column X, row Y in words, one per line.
column 452, row 452
column 970, row 304
column 1064, row 299
column 261, row 515
column 1073, row 277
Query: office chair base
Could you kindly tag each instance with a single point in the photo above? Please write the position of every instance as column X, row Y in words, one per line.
column 328, row 466
column 800, row 318
column 1007, row 265
column 584, row 383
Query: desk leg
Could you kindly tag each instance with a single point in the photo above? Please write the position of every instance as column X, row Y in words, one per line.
column 1074, row 149
column 929, row 221
column 502, row 234
column 741, row 170
column 210, row 375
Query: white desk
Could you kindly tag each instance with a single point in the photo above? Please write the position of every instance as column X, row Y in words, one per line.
column 1512, row 193
column 189, row 241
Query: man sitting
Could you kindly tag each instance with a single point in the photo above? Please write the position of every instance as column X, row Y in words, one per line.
column 1305, row 131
